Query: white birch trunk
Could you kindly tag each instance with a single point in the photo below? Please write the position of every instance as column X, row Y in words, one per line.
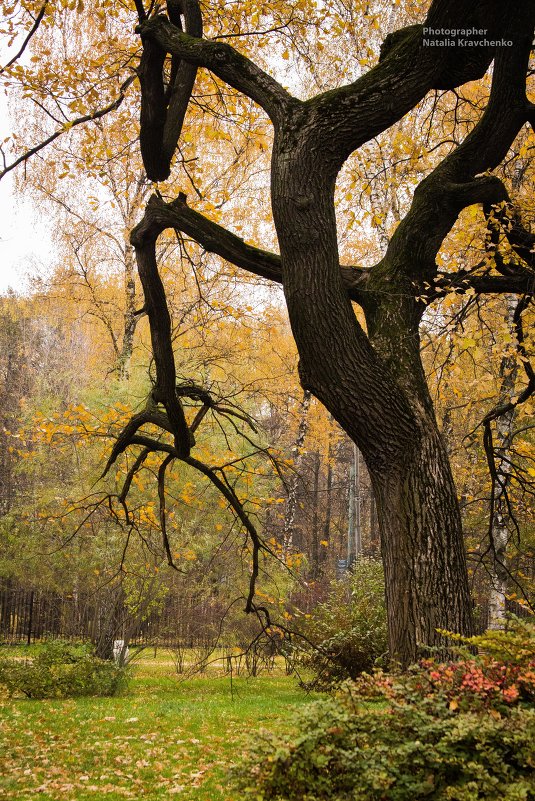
column 297, row 458
column 499, row 529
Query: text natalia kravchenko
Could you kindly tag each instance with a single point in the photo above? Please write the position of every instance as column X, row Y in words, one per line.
column 461, row 37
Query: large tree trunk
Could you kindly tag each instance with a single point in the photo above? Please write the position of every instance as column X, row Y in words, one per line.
column 422, row 547
column 372, row 382
column 374, row 386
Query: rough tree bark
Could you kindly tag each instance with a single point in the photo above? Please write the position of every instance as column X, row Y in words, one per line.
column 372, row 382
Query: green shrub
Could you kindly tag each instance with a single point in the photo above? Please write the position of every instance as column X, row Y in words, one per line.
column 402, row 752
column 457, row 731
column 61, row 670
column 346, row 634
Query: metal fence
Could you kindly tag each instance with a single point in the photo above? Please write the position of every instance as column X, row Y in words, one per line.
column 28, row 615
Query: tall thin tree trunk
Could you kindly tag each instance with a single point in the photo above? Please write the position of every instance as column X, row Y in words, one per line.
column 328, row 507
column 354, row 533
column 499, row 532
column 315, row 529
column 297, row 458
column 130, row 317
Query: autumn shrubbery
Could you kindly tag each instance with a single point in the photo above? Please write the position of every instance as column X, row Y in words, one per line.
column 61, row 670
column 457, row 731
column 470, row 684
column 347, row 633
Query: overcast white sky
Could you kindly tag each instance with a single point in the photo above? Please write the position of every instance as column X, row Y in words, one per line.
column 24, row 239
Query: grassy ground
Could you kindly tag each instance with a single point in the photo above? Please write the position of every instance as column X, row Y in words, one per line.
column 162, row 740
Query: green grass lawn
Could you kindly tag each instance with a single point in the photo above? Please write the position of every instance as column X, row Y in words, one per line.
column 163, row 739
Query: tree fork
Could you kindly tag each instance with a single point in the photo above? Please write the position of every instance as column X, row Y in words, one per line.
column 373, row 382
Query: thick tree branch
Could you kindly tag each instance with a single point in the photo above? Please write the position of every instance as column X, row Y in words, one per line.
column 347, row 117
column 457, row 181
column 140, row 8
column 182, row 75
column 160, row 330
column 163, row 111
column 215, row 239
column 154, row 445
column 134, row 424
column 223, row 60
column 518, row 282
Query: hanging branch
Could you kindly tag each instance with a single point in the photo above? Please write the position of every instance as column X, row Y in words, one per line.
column 163, row 109
column 163, row 518
column 160, row 329
column 95, row 115
column 26, row 41
column 151, row 415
